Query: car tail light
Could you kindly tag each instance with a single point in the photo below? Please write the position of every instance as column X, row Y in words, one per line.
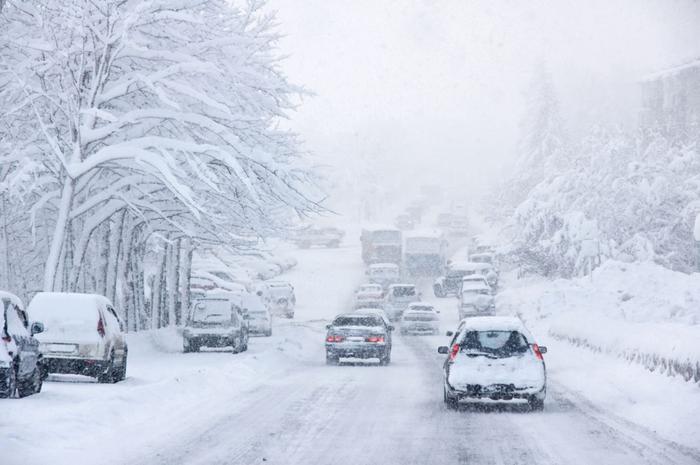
column 333, row 338
column 375, row 339
column 101, row 327
column 536, row 350
column 455, row 351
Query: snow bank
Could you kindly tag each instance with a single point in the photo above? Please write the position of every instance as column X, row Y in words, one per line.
column 641, row 312
column 696, row 229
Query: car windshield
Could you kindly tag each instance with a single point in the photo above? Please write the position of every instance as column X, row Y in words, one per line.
column 422, row 308
column 364, row 320
column 494, row 343
column 215, row 311
column 404, row 291
column 388, row 237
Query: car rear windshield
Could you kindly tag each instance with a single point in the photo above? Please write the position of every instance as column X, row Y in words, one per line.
column 419, row 317
column 404, row 291
column 212, row 311
column 421, row 308
column 494, row 343
column 357, row 321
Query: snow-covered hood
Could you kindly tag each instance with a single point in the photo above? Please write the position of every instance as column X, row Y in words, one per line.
column 523, row 371
column 477, row 300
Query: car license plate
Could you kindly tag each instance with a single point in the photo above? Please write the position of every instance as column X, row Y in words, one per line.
column 356, row 339
column 62, row 348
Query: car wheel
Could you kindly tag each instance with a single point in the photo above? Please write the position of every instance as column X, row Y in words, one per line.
column 121, row 373
column 268, row 333
column 186, row 347
column 8, row 382
column 30, row 386
column 109, row 375
column 450, row 402
column 386, row 359
column 331, row 359
column 437, row 290
column 536, row 404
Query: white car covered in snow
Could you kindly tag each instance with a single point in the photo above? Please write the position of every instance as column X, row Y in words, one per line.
column 494, row 359
column 82, row 335
column 476, row 299
column 398, row 296
column 420, row 319
column 279, row 297
column 383, row 274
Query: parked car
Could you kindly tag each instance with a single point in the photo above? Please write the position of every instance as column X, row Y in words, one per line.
column 383, row 274
column 494, row 358
column 259, row 317
column 313, row 236
column 420, row 320
column 476, row 299
column 358, row 335
column 22, row 367
column 398, row 296
column 281, row 299
column 215, row 322
column 82, row 335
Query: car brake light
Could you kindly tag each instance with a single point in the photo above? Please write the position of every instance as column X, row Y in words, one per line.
column 335, row 339
column 536, row 350
column 455, row 351
column 375, row 339
column 100, row 327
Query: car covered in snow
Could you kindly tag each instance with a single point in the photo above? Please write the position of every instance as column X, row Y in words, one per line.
column 279, row 297
column 475, row 278
column 358, row 335
column 451, row 282
column 494, row 359
column 420, row 319
column 459, row 226
column 321, row 237
column 368, row 300
column 383, row 274
column 375, row 290
column 215, row 321
column 404, row 222
column 21, row 364
column 256, row 316
column 398, row 296
column 82, row 335
column 476, row 299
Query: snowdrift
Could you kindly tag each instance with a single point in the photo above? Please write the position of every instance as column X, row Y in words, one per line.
column 640, row 312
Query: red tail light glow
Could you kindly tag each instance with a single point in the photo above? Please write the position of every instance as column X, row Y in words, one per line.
column 101, row 327
column 375, row 339
column 536, row 350
column 455, row 351
column 333, row 338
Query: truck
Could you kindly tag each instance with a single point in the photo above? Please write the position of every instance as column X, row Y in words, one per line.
column 425, row 253
column 381, row 244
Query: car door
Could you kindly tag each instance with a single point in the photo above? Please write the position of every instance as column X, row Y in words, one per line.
column 27, row 346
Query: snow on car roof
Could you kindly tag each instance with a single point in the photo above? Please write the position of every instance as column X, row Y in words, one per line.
column 393, row 286
column 4, row 295
column 54, row 306
column 424, row 233
column 493, row 323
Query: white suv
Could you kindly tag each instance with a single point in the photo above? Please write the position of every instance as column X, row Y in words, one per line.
column 82, row 335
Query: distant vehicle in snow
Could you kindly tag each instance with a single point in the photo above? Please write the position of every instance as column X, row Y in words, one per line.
column 451, row 282
column 475, row 299
column 425, row 253
column 281, row 299
column 420, row 319
column 257, row 317
column 358, row 335
column 459, row 226
column 474, row 278
column 415, row 212
column 404, row 222
column 22, row 367
column 494, row 359
column 82, row 335
column 368, row 300
column 215, row 322
column 381, row 245
column 444, row 220
column 323, row 237
column 398, row 296
column 371, row 289
column 383, row 274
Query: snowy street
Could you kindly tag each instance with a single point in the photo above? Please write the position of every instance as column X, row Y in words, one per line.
column 279, row 403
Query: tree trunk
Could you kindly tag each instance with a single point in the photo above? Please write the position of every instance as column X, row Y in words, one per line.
column 59, row 235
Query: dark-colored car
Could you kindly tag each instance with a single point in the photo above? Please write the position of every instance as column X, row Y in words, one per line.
column 358, row 335
column 22, row 367
column 215, row 322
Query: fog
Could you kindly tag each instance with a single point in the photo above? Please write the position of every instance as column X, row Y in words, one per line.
column 434, row 90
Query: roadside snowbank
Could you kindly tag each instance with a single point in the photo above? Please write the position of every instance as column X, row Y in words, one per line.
column 641, row 312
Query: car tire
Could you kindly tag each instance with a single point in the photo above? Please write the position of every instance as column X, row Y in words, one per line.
column 535, row 403
column 386, row 359
column 109, row 375
column 439, row 292
column 244, row 348
column 30, row 386
column 121, row 373
column 332, row 359
column 268, row 333
column 8, row 382
column 450, row 402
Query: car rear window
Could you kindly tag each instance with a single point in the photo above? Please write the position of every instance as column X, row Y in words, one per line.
column 357, row 321
column 497, row 343
column 420, row 317
column 406, row 291
column 212, row 311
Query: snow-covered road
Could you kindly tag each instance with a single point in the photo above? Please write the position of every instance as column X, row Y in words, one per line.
column 280, row 404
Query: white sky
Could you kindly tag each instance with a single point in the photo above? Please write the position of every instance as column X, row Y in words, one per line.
column 434, row 88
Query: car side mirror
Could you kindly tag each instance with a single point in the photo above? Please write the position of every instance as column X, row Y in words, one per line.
column 543, row 350
column 37, row 327
column 391, row 328
column 449, row 333
column 443, row 350
column 328, row 326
